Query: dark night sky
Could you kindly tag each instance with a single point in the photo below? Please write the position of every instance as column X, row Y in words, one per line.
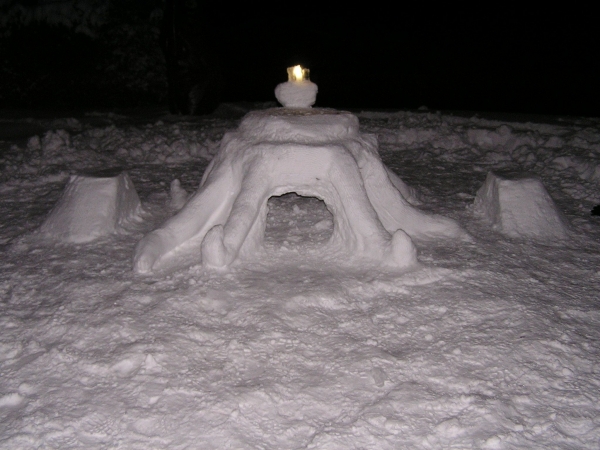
column 489, row 58
column 494, row 59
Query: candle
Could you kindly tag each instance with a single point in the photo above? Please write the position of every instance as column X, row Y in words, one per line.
column 297, row 73
column 298, row 91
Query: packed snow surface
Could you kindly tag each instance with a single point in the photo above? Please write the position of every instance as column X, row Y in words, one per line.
column 493, row 343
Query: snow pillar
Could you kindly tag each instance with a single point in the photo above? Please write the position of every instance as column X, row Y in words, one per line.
column 92, row 207
column 518, row 205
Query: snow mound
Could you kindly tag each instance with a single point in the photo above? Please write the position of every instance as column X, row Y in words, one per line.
column 178, row 195
column 298, row 94
column 278, row 151
column 518, row 205
column 92, row 207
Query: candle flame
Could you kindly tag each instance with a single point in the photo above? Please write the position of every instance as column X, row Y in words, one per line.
column 297, row 73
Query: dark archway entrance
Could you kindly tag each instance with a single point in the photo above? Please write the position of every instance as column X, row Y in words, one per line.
column 295, row 221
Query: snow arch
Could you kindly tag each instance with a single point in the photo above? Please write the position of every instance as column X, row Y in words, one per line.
column 328, row 173
column 317, row 153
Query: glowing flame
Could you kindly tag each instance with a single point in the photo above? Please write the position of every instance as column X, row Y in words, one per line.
column 297, row 73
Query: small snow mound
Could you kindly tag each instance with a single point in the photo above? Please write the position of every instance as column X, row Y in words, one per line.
column 518, row 205
column 301, row 94
column 178, row 195
column 404, row 250
column 92, row 207
column 13, row 399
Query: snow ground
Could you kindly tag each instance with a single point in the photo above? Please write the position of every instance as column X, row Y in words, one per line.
column 492, row 344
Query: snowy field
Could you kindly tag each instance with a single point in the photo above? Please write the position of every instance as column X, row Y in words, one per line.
column 489, row 344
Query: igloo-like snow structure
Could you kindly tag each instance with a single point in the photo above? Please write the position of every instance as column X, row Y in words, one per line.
column 91, row 207
column 518, row 205
column 312, row 152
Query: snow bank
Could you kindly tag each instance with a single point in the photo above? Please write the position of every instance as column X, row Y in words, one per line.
column 73, row 150
column 518, row 205
column 91, row 208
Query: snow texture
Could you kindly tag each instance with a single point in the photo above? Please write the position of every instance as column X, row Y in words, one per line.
column 314, row 153
column 178, row 195
column 519, row 206
column 296, row 94
column 493, row 343
column 92, row 207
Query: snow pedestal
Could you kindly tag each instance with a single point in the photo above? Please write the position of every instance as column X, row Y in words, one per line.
column 299, row 94
column 92, row 207
column 312, row 152
column 518, row 205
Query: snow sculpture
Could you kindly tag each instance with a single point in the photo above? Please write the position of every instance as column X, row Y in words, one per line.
column 312, row 152
column 92, row 207
column 518, row 205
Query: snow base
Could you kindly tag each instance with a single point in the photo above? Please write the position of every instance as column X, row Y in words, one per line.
column 278, row 151
column 519, row 206
column 296, row 94
column 92, row 207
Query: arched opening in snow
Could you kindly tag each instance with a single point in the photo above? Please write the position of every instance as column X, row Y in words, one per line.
column 295, row 221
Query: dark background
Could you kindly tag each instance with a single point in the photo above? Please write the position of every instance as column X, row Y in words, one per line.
column 498, row 58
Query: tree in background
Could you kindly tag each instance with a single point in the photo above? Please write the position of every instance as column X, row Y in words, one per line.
column 81, row 53
column 131, row 64
column 193, row 71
